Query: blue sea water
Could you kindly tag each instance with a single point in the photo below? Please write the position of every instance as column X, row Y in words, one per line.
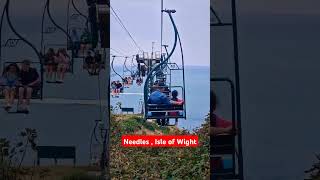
column 197, row 86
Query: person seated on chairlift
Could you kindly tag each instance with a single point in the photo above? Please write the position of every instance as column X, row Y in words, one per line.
column 63, row 61
column 125, row 82
column 85, row 41
column 133, row 76
column 174, row 99
column 90, row 63
column 219, row 125
column 119, row 87
column 129, row 79
column 10, row 81
column 76, row 42
column 51, row 65
column 139, row 81
column 30, row 82
column 113, row 88
column 158, row 97
column 98, row 58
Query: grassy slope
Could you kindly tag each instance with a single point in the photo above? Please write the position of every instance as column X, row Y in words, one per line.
column 156, row 163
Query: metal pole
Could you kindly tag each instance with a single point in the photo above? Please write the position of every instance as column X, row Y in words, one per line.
column 161, row 29
column 1, row 26
column 237, row 82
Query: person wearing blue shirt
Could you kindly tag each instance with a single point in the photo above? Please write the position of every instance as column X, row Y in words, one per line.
column 157, row 97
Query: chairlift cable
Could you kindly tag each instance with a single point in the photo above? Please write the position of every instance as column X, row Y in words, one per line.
column 124, row 27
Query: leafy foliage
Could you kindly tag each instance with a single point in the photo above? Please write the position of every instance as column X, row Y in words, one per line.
column 157, row 163
column 314, row 172
column 12, row 155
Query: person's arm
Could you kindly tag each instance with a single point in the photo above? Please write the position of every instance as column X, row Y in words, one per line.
column 218, row 131
column 179, row 102
column 56, row 59
column 166, row 100
column 37, row 81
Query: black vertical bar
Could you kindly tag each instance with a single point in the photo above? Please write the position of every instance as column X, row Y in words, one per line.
column 104, row 28
column 68, row 24
column 1, row 26
column 161, row 28
column 237, row 82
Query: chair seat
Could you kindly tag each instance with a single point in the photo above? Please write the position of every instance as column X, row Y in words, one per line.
column 164, row 107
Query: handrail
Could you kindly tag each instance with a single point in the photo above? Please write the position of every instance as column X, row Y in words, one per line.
column 114, row 69
column 80, row 13
column 47, row 9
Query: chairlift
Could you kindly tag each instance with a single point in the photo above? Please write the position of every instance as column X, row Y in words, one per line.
column 157, row 66
column 12, row 43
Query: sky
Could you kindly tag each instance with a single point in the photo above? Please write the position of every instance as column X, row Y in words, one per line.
column 143, row 20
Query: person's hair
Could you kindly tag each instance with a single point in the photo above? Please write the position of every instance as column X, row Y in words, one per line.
column 8, row 68
column 174, row 94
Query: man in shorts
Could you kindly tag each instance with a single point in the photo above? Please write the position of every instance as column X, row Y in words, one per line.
column 30, row 82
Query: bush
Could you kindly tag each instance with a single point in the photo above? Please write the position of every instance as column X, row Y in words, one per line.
column 314, row 172
column 157, row 163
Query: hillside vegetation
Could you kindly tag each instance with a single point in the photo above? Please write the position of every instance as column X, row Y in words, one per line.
column 156, row 163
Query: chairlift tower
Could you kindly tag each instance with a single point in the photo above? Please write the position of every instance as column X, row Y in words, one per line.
column 228, row 145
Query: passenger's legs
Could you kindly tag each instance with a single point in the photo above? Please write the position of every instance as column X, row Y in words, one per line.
column 12, row 95
column 63, row 72
column 6, row 92
column 29, row 94
column 21, row 98
column 59, row 73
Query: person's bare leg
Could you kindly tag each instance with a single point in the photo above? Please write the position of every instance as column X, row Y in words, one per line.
column 21, row 97
column 92, row 68
column 59, row 74
column 7, row 96
column 28, row 96
column 12, row 96
column 63, row 73
column 50, row 73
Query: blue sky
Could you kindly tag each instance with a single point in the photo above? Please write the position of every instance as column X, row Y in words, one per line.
column 142, row 19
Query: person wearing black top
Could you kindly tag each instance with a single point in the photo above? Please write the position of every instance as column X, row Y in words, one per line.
column 90, row 63
column 119, row 87
column 30, row 80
